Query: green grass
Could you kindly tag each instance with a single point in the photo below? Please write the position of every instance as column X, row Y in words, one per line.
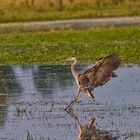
column 38, row 10
column 53, row 47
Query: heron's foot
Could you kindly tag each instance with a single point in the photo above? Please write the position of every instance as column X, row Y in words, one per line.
column 92, row 99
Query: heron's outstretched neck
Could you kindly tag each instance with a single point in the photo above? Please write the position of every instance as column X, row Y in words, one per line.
column 73, row 67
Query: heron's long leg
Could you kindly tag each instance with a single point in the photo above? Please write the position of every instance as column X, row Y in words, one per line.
column 75, row 117
column 74, row 100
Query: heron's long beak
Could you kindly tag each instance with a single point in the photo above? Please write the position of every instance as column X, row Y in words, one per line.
column 67, row 59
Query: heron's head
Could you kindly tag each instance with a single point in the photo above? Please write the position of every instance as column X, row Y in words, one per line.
column 72, row 59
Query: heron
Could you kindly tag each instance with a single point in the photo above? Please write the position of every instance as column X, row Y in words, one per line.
column 97, row 75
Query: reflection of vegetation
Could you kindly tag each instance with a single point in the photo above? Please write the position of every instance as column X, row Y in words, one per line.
column 3, row 106
column 3, row 99
column 45, row 79
column 48, row 77
column 8, row 83
column 54, row 46
column 65, row 9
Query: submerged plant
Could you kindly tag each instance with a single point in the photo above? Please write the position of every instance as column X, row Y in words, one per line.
column 29, row 136
column 21, row 111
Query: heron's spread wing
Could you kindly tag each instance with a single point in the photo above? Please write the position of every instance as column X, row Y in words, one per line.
column 102, row 71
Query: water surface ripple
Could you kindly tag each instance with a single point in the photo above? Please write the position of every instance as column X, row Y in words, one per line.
column 38, row 94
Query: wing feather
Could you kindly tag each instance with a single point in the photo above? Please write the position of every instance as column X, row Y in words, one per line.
column 102, row 71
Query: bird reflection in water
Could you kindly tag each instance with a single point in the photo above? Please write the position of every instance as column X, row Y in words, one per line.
column 88, row 131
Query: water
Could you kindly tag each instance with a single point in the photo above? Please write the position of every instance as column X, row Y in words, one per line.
column 37, row 96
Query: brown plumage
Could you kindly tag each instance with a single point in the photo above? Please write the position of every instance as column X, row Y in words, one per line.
column 95, row 76
column 102, row 71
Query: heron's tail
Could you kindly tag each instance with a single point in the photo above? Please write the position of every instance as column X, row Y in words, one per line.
column 114, row 75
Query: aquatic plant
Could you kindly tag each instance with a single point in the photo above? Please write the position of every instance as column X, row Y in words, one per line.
column 53, row 47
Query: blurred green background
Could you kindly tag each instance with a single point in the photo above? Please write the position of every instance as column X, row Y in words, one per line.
column 38, row 10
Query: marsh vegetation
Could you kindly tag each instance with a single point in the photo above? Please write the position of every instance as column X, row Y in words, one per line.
column 52, row 47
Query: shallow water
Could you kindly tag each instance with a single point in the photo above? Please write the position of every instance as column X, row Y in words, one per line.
column 37, row 96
